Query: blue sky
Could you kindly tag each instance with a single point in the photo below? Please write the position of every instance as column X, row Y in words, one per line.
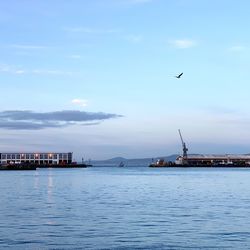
column 97, row 77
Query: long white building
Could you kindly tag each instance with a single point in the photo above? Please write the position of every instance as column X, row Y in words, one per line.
column 36, row 158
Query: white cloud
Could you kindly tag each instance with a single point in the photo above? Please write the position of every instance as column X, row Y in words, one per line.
column 133, row 2
column 134, row 38
column 123, row 3
column 25, row 46
column 90, row 30
column 80, row 102
column 17, row 70
column 220, row 110
column 51, row 72
column 4, row 68
column 75, row 56
column 20, row 71
column 183, row 43
column 139, row 1
column 237, row 48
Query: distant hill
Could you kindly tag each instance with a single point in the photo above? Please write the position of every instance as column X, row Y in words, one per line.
column 131, row 162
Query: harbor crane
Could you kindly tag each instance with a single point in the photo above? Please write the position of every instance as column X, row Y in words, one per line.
column 184, row 148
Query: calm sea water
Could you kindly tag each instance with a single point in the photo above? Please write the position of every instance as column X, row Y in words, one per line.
column 125, row 208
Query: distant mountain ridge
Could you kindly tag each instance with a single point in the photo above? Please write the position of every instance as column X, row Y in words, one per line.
column 132, row 162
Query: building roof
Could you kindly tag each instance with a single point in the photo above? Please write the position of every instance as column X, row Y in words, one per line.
column 219, row 156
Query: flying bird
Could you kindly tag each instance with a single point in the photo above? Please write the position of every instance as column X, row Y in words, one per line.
column 179, row 76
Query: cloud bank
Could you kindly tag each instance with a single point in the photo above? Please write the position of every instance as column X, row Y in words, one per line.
column 29, row 120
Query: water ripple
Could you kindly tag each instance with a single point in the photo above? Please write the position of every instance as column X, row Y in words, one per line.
column 131, row 208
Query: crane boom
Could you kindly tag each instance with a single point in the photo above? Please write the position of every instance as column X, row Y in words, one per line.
column 184, row 148
column 181, row 137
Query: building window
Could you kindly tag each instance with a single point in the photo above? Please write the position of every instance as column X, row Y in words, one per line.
column 69, row 156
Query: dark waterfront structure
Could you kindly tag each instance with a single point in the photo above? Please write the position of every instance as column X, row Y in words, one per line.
column 43, row 158
column 22, row 166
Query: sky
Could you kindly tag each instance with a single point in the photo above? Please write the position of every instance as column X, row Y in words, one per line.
column 97, row 77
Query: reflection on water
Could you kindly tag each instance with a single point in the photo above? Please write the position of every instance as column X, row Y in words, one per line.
column 36, row 179
column 124, row 208
column 50, row 184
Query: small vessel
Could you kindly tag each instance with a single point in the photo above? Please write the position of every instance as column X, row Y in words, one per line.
column 121, row 164
column 161, row 163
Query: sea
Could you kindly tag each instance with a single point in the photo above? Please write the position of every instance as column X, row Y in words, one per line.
column 125, row 208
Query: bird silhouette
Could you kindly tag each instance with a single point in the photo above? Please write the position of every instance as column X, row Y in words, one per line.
column 179, row 76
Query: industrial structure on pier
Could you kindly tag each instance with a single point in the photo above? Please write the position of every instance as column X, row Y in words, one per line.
column 204, row 160
column 211, row 160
